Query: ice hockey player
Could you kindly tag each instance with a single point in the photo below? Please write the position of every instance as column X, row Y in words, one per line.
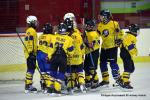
column 30, row 51
column 75, row 74
column 43, row 56
column 111, row 36
column 92, row 42
column 62, row 47
column 128, row 51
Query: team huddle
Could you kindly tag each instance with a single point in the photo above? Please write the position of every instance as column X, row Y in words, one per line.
column 68, row 58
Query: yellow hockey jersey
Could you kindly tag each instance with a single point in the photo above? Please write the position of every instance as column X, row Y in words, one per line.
column 77, row 57
column 129, row 42
column 44, row 43
column 30, row 41
column 109, row 34
column 65, row 41
column 93, row 38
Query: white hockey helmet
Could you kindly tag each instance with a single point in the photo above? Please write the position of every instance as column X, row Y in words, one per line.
column 71, row 16
column 31, row 19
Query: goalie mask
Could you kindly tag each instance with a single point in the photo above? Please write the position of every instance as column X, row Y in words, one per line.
column 32, row 21
column 62, row 28
column 134, row 29
column 47, row 28
column 105, row 16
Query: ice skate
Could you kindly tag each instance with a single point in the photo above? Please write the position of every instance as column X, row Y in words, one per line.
column 102, row 84
column 125, row 86
column 70, row 91
column 83, row 88
column 30, row 89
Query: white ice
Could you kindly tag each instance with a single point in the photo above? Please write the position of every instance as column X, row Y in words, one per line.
column 14, row 90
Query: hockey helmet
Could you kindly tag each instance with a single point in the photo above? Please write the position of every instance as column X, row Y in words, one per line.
column 47, row 28
column 106, row 14
column 134, row 29
column 69, row 24
column 32, row 21
column 71, row 16
column 62, row 28
column 89, row 25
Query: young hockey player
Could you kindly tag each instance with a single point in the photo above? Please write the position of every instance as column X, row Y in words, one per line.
column 92, row 42
column 111, row 37
column 128, row 50
column 42, row 56
column 30, row 51
column 62, row 47
column 75, row 61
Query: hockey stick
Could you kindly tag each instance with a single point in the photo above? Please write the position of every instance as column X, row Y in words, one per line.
column 28, row 54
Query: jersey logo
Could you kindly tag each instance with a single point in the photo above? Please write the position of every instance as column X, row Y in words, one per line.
column 105, row 33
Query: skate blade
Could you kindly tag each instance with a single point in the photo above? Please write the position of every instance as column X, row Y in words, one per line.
column 71, row 93
column 83, row 91
column 57, row 95
column 121, row 88
column 126, row 90
column 28, row 91
column 99, row 88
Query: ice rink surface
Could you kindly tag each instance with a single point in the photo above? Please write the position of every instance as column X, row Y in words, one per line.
column 14, row 90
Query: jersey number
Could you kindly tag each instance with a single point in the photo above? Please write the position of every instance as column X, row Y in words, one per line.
column 43, row 43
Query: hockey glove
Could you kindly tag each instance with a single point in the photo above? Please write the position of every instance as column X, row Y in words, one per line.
column 32, row 56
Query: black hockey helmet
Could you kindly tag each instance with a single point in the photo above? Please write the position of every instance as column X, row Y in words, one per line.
column 89, row 24
column 134, row 29
column 106, row 15
column 47, row 28
column 62, row 28
column 69, row 24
